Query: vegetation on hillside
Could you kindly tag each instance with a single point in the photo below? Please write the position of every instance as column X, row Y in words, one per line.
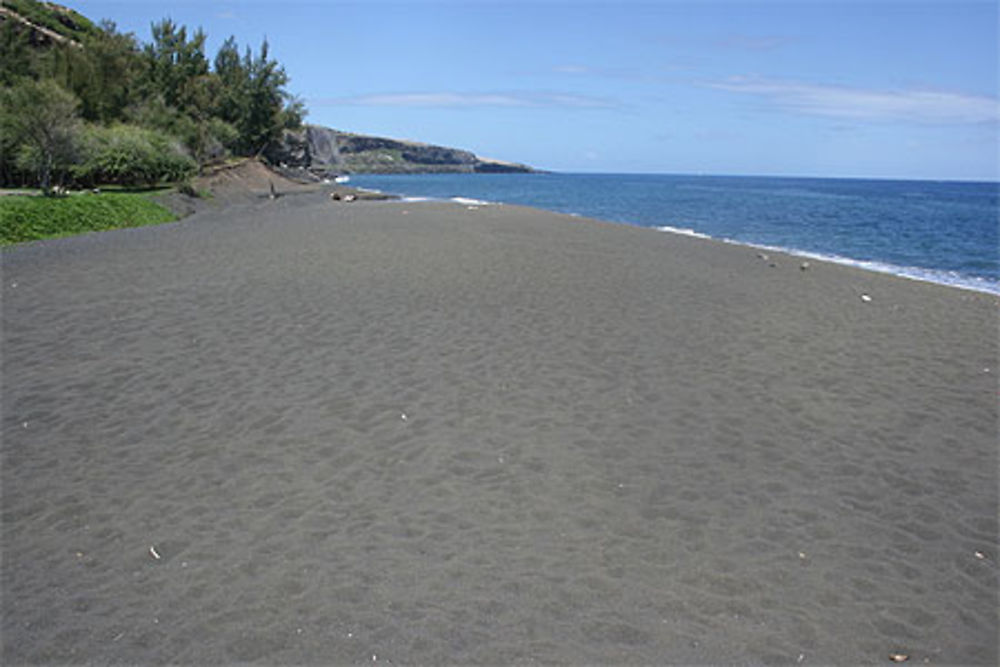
column 93, row 105
column 60, row 20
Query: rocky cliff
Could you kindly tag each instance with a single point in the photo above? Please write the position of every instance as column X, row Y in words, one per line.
column 324, row 151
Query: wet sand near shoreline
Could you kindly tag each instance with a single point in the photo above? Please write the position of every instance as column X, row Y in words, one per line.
column 308, row 432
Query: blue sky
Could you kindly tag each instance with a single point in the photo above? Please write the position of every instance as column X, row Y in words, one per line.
column 878, row 88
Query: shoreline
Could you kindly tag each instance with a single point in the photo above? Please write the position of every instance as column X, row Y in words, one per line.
column 302, row 431
column 915, row 273
column 939, row 276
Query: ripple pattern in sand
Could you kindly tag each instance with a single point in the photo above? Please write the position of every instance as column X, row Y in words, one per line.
column 493, row 437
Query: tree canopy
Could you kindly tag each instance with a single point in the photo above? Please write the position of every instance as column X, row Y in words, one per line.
column 40, row 119
column 100, row 91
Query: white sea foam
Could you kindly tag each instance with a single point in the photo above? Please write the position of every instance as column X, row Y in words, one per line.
column 414, row 199
column 683, row 231
column 470, row 202
column 950, row 278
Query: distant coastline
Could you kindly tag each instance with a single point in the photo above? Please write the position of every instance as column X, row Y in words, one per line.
column 322, row 151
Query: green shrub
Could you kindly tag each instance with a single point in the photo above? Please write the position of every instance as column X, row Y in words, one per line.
column 32, row 218
column 130, row 155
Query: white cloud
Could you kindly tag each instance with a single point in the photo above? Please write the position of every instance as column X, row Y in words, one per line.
column 922, row 106
column 592, row 71
column 454, row 100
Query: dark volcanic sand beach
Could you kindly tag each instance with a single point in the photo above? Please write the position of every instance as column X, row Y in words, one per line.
column 423, row 433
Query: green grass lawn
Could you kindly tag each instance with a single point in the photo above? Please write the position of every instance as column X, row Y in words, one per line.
column 24, row 218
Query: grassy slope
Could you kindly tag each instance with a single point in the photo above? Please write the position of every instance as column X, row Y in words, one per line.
column 32, row 218
column 73, row 25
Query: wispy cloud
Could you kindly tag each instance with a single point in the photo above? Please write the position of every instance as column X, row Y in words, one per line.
column 457, row 100
column 921, row 106
column 596, row 71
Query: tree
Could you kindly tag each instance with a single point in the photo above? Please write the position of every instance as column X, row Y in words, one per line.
column 72, row 68
column 234, row 104
column 116, row 69
column 252, row 97
column 101, row 72
column 173, row 62
column 232, row 82
column 42, row 119
column 16, row 53
column 265, row 98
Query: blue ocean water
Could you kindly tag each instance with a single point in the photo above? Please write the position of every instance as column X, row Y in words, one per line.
column 945, row 232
